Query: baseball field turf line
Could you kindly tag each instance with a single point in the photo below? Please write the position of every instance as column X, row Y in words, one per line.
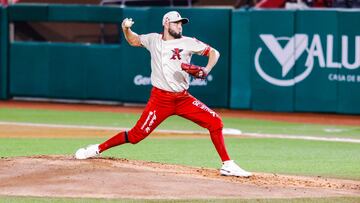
column 174, row 123
column 226, row 131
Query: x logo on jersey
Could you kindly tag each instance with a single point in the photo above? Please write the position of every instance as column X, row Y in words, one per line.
column 176, row 53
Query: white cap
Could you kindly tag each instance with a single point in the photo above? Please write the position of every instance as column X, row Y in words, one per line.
column 174, row 16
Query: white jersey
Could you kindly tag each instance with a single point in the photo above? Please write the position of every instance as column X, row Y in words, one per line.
column 166, row 59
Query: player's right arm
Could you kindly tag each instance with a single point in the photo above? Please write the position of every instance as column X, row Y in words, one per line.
column 131, row 37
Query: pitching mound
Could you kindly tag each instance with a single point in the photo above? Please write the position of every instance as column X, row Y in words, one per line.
column 63, row 176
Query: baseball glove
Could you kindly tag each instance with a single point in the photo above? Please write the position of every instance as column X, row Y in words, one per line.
column 194, row 70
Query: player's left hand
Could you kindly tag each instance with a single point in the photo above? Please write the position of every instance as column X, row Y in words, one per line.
column 194, row 70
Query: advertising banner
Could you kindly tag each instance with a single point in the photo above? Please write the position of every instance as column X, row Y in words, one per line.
column 271, row 51
column 318, row 55
column 307, row 61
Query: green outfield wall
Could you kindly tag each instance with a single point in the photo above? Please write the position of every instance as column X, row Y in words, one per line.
column 4, row 94
column 116, row 72
column 271, row 60
column 70, row 71
column 296, row 61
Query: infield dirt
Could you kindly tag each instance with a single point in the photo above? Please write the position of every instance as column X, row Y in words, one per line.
column 63, row 176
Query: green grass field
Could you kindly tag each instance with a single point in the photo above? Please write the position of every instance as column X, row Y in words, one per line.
column 284, row 156
column 174, row 123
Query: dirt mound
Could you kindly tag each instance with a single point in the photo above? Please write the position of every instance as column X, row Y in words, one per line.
column 63, row 176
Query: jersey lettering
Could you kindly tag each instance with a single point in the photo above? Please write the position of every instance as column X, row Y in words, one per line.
column 150, row 119
column 176, row 54
column 204, row 107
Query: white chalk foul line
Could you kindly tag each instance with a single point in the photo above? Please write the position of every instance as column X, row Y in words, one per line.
column 88, row 127
column 329, row 139
column 226, row 131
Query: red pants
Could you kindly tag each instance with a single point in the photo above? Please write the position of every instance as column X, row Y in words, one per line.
column 163, row 104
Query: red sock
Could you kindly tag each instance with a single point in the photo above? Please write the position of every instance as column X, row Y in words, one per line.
column 218, row 140
column 116, row 140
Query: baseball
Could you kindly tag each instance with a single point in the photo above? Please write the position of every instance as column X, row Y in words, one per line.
column 128, row 23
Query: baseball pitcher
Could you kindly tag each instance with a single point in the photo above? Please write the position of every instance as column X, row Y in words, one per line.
column 170, row 77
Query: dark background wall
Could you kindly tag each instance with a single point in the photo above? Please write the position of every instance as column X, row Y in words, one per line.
column 112, row 70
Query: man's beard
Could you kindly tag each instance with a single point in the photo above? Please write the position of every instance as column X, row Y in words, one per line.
column 174, row 34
